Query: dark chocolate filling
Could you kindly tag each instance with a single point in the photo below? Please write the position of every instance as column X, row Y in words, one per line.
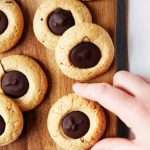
column 60, row 20
column 75, row 124
column 85, row 55
column 2, row 125
column 14, row 84
column 3, row 22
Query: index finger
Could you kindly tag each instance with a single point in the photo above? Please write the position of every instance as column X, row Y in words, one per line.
column 113, row 99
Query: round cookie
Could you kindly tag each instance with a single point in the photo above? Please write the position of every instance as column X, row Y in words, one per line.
column 23, row 80
column 76, row 123
column 84, row 52
column 11, row 24
column 54, row 17
column 11, row 121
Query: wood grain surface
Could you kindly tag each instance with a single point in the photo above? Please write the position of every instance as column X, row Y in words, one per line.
column 35, row 134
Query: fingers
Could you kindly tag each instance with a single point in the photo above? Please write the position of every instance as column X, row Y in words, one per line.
column 115, row 144
column 132, row 83
column 128, row 108
column 113, row 99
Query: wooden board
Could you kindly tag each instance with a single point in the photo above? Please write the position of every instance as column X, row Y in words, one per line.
column 35, row 135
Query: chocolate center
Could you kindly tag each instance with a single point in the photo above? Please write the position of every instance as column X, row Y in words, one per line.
column 14, row 84
column 2, row 125
column 75, row 124
column 60, row 20
column 85, row 55
column 3, row 22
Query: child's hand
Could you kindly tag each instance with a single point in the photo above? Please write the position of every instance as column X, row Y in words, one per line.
column 129, row 99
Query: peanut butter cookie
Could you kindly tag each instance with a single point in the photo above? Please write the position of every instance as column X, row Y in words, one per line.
column 75, row 123
column 84, row 51
column 11, row 121
column 11, row 24
column 23, row 80
column 54, row 17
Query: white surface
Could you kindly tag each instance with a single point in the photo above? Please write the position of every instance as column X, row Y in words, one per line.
column 139, row 36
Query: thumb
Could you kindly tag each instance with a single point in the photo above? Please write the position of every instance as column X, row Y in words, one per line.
column 115, row 144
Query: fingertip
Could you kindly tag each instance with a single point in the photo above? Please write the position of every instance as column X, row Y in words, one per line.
column 101, row 145
column 118, row 75
column 77, row 87
column 95, row 147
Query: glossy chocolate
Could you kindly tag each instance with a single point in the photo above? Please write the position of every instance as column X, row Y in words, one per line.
column 60, row 20
column 14, row 84
column 85, row 55
column 2, row 125
column 3, row 22
column 75, row 124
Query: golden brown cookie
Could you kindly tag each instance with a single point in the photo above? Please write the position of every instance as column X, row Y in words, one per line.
column 84, row 51
column 23, row 80
column 54, row 17
column 11, row 24
column 75, row 123
column 11, row 121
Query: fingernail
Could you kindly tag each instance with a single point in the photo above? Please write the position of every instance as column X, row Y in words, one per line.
column 75, row 86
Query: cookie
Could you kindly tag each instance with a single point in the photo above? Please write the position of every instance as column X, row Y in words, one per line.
column 84, row 52
column 11, row 121
column 75, row 123
column 54, row 17
column 23, row 80
column 11, row 24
